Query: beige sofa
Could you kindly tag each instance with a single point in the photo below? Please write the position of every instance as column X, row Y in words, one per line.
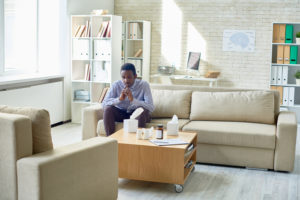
column 30, row 169
column 237, row 127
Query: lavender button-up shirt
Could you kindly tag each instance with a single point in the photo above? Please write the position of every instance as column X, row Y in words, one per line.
column 141, row 93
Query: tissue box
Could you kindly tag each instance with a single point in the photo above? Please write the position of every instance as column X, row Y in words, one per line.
column 130, row 125
column 172, row 128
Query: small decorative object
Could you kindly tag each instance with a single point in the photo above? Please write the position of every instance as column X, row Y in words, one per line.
column 99, row 12
column 166, row 70
column 298, row 37
column 212, row 74
column 297, row 76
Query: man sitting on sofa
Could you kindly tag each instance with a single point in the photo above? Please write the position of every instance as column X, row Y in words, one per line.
column 124, row 97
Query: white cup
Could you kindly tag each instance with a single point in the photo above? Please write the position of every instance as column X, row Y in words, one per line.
column 147, row 133
column 139, row 134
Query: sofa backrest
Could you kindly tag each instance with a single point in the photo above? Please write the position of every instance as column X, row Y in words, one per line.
column 170, row 102
column 275, row 93
column 41, row 127
column 242, row 106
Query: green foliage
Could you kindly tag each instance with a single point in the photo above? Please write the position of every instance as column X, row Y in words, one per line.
column 298, row 35
column 297, row 75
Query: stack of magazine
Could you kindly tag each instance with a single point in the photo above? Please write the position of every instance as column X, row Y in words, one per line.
column 167, row 142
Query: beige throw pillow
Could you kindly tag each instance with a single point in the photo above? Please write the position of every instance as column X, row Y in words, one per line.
column 245, row 106
column 41, row 128
column 170, row 102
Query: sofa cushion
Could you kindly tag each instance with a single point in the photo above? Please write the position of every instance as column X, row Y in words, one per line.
column 244, row 106
column 234, row 133
column 170, row 102
column 41, row 129
column 154, row 122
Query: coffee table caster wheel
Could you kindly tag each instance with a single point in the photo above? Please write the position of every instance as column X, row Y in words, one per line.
column 193, row 169
column 178, row 188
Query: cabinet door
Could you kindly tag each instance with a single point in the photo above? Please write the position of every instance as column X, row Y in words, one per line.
column 276, row 33
column 281, row 33
column 280, row 54
column 286, row 55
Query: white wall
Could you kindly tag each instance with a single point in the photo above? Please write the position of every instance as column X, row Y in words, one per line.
column 207, row 20
column 86, row 6
column 1, row 36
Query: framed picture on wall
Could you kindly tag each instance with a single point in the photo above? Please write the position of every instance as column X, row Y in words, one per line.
column 193, row 60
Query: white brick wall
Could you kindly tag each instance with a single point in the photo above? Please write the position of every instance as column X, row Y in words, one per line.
column 210, row 18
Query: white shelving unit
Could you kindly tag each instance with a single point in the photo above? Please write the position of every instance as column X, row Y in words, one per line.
column 137, row 36
column 285, row 63
column 93, row 54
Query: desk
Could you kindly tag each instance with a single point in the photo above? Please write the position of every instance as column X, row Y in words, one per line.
column 195, row 78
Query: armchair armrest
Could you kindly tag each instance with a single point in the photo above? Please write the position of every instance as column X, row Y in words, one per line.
column 90, row 118
column 86, row 170
column 285, row 141
column 15, row 143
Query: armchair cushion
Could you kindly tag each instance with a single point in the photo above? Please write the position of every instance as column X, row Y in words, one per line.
column 41, row 128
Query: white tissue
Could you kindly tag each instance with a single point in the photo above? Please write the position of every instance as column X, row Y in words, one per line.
column 136, row 113
column 172, row 126
column 174, row 119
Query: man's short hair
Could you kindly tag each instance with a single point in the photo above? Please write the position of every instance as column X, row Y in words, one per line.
column 129, row 66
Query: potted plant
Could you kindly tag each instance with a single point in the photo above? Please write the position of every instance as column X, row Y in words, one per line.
column 298, row 37
column 297, row 76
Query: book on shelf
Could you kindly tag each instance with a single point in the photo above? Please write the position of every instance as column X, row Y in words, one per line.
column 87, row 72
column 105, row 29
column 138, row 53
column 103, row 93
column 82, row 30
column 75, row 30
column 87, row 30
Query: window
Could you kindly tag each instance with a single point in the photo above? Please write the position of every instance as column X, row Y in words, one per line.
column 20, row 33
column 29, row 35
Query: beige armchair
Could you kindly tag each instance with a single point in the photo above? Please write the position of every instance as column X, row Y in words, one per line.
column 31, row 169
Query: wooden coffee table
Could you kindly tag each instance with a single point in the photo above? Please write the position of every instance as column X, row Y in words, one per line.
column 143, row 160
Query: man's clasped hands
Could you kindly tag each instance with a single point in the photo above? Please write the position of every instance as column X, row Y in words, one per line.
column 126, row 92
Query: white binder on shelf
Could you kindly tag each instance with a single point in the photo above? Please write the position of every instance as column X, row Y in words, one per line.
column 138, row 66
column 83, row 47
column 291, row 96
column 285, row 74
column 285, row 100
column 100, row 72
column 107, row 52
column 130, row 30
column 75, row 50
column 97, row 45
column 274, row 75
column 279, row 75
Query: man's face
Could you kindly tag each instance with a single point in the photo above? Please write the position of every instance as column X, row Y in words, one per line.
column 128, row 77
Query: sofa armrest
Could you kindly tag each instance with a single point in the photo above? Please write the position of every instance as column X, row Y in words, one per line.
column 285, row 141
column 15, row 143
column 86, row 170
column 90, row 118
